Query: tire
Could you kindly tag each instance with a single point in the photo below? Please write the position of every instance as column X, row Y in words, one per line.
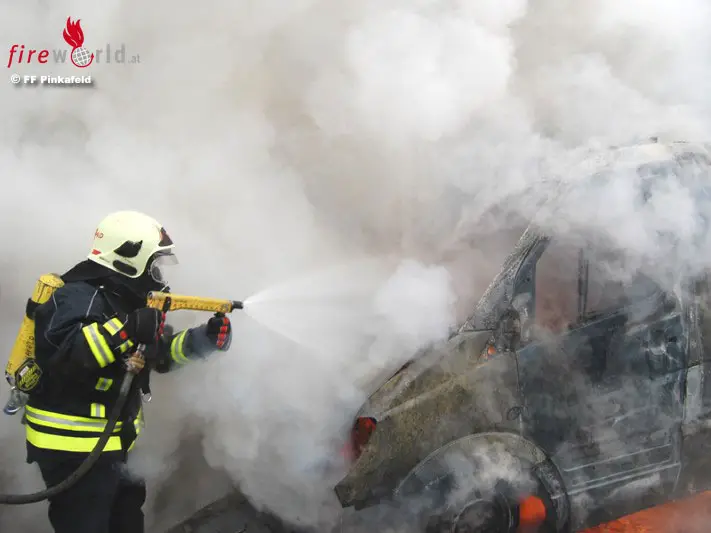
column 476, row 485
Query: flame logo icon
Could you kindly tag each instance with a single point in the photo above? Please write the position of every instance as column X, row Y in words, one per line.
column 74, row 36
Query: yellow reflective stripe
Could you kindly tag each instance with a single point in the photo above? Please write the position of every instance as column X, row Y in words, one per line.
column 98, row 410
column 113, row 326
column 92, row 424
column 69, row 444
column 139, row 423
column 99, row 347
column 176, row 349
column 41, row 421
column 104, row 384
column 125, row 347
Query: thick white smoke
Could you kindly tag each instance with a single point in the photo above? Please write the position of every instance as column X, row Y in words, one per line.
column 274, row 139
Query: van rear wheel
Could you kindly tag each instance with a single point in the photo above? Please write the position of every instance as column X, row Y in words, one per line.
column 476, row 486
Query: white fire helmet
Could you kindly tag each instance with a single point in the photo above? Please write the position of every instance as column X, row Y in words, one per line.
column 128, row 242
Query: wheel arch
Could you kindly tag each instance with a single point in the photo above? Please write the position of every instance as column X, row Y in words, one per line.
column 542, row 467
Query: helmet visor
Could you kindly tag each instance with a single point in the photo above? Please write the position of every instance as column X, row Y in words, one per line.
column 161, row 261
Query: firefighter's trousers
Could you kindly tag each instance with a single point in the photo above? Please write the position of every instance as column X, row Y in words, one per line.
column 106, row 500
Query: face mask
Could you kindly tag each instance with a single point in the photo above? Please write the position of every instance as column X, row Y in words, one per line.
column 157, row 266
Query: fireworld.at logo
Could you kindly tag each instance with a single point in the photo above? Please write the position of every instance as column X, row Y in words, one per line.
column 80, row 56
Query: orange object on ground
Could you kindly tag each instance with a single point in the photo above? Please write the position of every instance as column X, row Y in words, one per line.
column 690, row 515
column 531, row 514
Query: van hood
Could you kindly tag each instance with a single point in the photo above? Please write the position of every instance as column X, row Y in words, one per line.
column 427, row 373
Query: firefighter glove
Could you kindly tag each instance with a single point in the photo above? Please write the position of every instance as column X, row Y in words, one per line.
column 145, row 325
column 135, row 363
column 219, row 331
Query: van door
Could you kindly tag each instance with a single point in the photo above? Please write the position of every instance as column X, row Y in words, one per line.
column 601, row 377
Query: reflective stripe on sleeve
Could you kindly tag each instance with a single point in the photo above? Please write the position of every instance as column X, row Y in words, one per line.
column 69, row 444
column 104, row 384
column 98, row 345
column 125, row 347
column 67, row 422
column 98, row 410
column 113, row 326
column 176, row 349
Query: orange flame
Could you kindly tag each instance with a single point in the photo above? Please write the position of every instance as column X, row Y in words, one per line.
column 532, row 513
column 690, row 515
column 73, row 34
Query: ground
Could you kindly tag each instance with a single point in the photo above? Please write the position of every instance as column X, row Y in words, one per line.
column 232, row 514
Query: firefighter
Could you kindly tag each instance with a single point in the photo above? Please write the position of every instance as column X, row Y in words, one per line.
column 86, row 336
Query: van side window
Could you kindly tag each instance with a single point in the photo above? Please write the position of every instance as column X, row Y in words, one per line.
column 613, row 284
column 606, row 286
column 557, row 287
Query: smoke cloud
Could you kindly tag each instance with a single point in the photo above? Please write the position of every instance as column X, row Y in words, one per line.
column 277, row 140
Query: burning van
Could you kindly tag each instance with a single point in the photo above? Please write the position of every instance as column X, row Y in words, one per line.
column 568, row 397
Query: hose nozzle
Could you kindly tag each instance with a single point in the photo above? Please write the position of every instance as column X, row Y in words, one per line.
column 236, row 304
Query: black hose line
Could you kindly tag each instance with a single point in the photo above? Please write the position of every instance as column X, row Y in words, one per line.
column 22, row 499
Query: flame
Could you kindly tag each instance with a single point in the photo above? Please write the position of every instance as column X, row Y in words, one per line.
column 690, row 515
column 73, row 34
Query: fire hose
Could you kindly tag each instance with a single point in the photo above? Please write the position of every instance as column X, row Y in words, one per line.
column 87, row 464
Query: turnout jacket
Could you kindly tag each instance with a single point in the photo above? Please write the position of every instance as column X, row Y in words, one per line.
column 80, row 347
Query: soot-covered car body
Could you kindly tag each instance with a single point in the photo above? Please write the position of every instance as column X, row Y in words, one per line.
column 596, row 383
